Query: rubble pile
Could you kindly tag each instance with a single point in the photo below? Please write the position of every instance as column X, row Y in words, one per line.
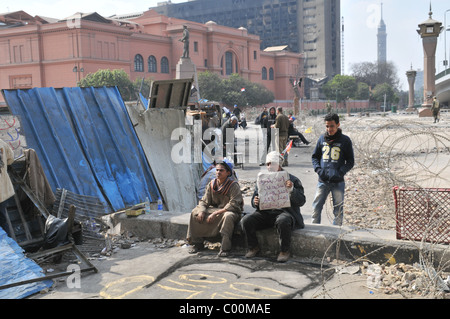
column 408, row 280
column 369, row 203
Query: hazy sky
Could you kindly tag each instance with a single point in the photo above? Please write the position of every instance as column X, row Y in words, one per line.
column 361, row 19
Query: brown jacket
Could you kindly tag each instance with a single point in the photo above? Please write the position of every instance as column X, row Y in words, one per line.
column 282, row 124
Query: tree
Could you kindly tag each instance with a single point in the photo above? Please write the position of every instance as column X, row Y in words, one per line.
column 382, row 90
column 233, row 90
column 210, row 86
column 374, row 73
column 363, row 91
column 108, row 77
column 341, row 88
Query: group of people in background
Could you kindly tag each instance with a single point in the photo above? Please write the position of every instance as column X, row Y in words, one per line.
column 276, row 119
column 220, row 209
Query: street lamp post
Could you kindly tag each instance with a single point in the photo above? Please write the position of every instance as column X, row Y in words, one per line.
column 429, row 31
column 77, row 72
column 445, row 38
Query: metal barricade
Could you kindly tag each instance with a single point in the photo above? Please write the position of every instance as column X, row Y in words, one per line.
column 423, row 214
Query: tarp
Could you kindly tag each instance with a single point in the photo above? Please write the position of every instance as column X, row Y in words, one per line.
column 86, row 143
column 15, row 267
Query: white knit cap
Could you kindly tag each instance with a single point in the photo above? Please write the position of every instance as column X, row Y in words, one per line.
column 273, row 157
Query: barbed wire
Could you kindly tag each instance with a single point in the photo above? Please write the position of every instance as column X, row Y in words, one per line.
column 396, row 151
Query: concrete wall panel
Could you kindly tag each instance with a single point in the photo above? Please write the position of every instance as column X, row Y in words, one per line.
column 177, row 182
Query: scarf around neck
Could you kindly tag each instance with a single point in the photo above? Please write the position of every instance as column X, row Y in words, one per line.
column 331, row 138
column 222, row 189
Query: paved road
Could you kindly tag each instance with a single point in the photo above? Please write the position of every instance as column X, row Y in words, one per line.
column 148, row 272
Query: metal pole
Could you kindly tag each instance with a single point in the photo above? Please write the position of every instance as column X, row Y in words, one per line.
column 445, row 38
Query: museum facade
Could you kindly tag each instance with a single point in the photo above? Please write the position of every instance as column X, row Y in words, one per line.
column 45, row 52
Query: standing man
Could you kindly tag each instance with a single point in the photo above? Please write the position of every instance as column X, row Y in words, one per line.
column 228, row 137
column 263, row 123
column 332, row 158
column 268, row 124
column 6, row 187
column 285, row 220
column 435, row 108
column 282, row 124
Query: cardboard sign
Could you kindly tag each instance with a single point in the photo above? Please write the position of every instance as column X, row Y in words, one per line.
column 272, row 191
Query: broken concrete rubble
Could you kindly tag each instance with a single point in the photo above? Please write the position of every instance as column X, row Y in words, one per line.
column 408, row 280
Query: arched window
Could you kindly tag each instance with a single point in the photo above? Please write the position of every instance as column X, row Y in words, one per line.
column 228, row 63
column 138, row 63
column 164, row 65
column 271, row 75
column 152, row 65
column 231, row 64
column 264, row 73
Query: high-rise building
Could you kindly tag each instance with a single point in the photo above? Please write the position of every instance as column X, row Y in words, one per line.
column 309, row 26
column 382, row 40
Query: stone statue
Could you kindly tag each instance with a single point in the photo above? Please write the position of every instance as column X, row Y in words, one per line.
column 185, row 39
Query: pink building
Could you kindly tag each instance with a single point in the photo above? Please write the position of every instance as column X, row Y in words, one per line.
column 44, row 52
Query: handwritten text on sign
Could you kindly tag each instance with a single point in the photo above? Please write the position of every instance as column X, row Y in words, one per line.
column 272, row 191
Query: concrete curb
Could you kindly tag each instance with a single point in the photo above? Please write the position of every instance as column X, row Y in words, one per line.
column 314, row 241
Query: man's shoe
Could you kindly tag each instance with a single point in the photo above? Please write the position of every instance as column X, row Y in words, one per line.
column 283, row 257
column 252, row 253
column 196, row 248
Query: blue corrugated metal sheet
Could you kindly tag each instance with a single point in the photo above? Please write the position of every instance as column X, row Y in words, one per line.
column 86, row 142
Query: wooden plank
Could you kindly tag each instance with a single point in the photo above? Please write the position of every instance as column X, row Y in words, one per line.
column 61, row 203
column 22, row 217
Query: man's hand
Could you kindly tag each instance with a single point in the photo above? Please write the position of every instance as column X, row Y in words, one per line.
column 256, row 200
column 200, row 217
column 211, row 218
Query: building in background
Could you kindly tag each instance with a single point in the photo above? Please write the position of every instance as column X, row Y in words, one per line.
column 44, row 52
column 311, row 27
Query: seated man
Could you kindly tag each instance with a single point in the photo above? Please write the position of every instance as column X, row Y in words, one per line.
column 217, row 212
column 285, row 220
column 210, row 174
column 294, row 132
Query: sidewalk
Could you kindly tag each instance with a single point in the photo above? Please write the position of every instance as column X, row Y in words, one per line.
column 314, row 241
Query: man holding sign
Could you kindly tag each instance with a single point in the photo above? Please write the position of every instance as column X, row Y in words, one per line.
column 277, row 198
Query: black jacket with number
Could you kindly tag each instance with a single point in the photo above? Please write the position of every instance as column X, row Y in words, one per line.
column 333, row 160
